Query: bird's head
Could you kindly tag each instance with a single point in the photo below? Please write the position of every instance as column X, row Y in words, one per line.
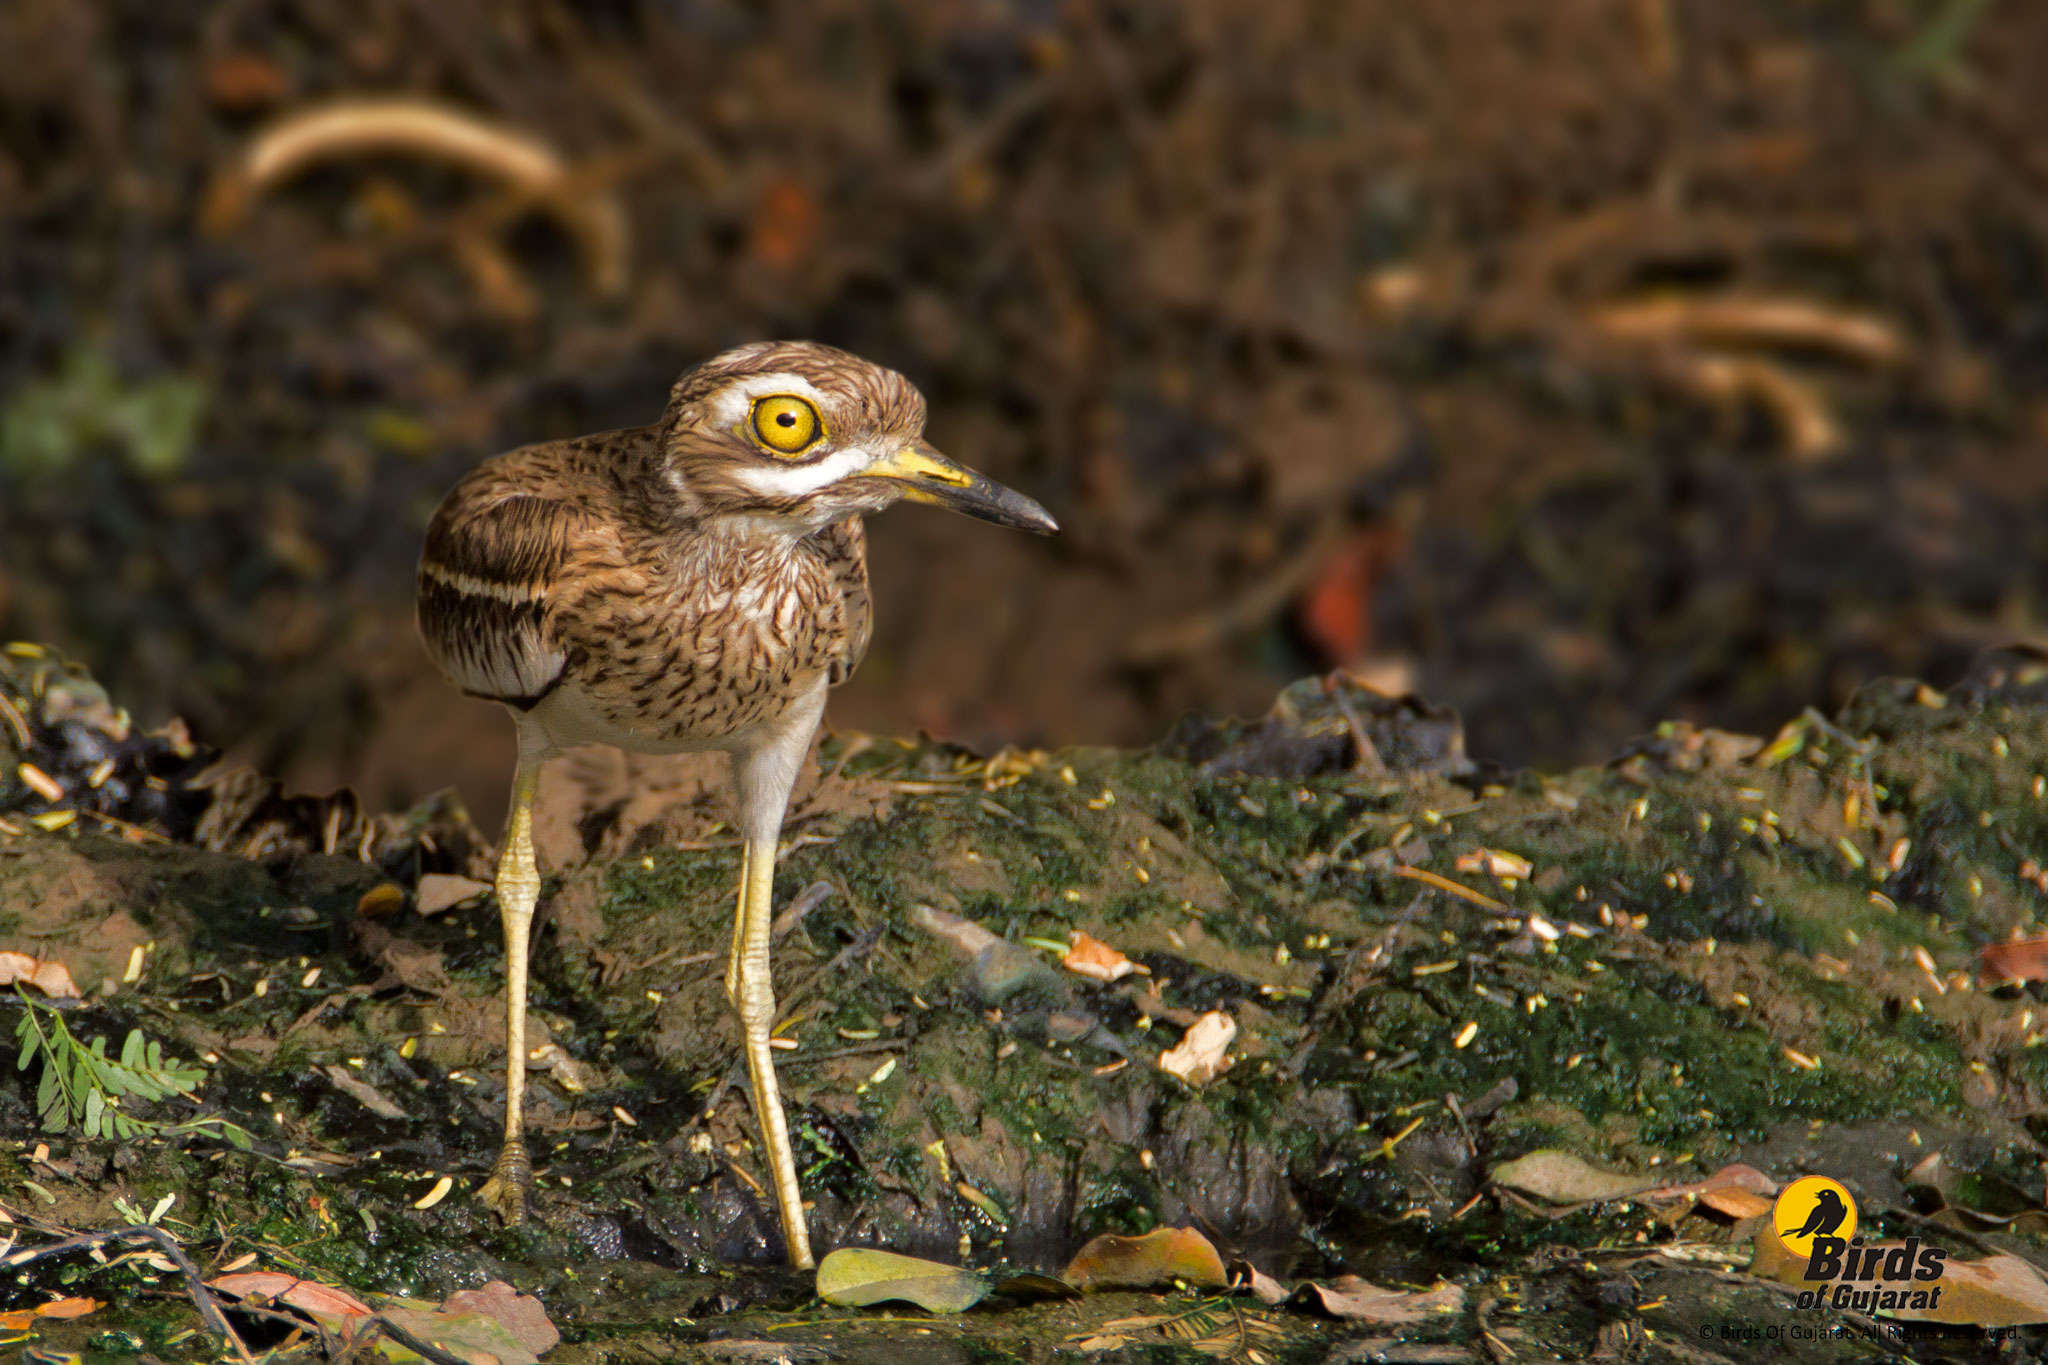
column 797, row 435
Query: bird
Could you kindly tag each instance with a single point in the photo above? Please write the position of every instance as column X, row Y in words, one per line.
column 697, row 584
column 1827, row 1215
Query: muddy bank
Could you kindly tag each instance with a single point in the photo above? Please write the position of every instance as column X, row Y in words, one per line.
column 1719, row 949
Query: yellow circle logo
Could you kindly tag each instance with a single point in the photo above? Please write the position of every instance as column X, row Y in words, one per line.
column 1813, row 1206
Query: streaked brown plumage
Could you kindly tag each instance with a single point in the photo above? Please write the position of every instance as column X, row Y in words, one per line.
column 695, row 584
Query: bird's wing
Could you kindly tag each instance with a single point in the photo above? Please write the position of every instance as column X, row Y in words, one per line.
column 846, row 548
column 487, row 578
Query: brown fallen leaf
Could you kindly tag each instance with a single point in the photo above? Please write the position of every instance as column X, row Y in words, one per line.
column 1733, row 1202
column 440, row 891
column 1161, row 1256
column 1352, row 1299
column 310, row 1296
column 2020, row 959
column 1091, row 957
column 1203, row 1053
column 1266, row 1289
column 1558, row 1177
column 47, row 975
column 1998, row 1291
column 362, row 1092
column 520, row 1314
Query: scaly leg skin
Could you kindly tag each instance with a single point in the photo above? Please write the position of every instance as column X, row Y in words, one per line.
column 752, row 994
column 518, row 888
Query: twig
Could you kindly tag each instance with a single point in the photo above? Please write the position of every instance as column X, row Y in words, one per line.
column 202, row 1297
column 1443, row 883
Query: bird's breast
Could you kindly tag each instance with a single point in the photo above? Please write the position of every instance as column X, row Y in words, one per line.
column 715, row 642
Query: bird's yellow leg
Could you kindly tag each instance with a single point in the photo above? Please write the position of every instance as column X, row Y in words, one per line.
column 518, row 888
column 753, row 996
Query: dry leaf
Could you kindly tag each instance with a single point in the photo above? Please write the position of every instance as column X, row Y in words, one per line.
column 1202, row 1053
column 520, row 1314
column 440, row 891
column 1161, row 1256
column 1736, row 1203
column 1355, row 1300
column 1091, row 957
column 50, row 977
column 362, row 1092
column 1737, row 1176
column 1560, row 1178
column 1998, row 1291
column 310, row 1296
column 1269, row 1291
column 2020, row 959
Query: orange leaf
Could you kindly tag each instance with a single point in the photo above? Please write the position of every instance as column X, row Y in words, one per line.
column 1159, row 1257
column 2020, row 959
column 307, row 1295
column 1736, row 1203
column 67, row 1308
column 50, row 977
column 1091, row 957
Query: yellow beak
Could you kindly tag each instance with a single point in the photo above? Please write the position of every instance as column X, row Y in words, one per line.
column 927, row 476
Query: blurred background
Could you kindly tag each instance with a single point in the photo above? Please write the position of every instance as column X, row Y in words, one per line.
column 1579, row 363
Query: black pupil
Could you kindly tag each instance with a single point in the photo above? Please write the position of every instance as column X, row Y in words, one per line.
column 785, row 419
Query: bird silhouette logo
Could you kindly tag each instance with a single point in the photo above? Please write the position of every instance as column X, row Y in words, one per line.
column 1810, row 1207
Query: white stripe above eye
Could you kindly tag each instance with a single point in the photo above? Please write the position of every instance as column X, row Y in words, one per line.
column 795, row 480
column 733, row 405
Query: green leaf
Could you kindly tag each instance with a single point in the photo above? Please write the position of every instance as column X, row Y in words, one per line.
column 854, row 1277
column 95, row 1106
column 30, row 1040
column 131, row 1050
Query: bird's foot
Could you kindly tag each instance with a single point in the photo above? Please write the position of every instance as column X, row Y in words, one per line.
column 511, row 1178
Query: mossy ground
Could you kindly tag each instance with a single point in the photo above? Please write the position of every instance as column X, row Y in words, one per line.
column 1713, row 956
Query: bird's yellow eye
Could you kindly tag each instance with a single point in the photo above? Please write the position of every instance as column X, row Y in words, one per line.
column 786, row 424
